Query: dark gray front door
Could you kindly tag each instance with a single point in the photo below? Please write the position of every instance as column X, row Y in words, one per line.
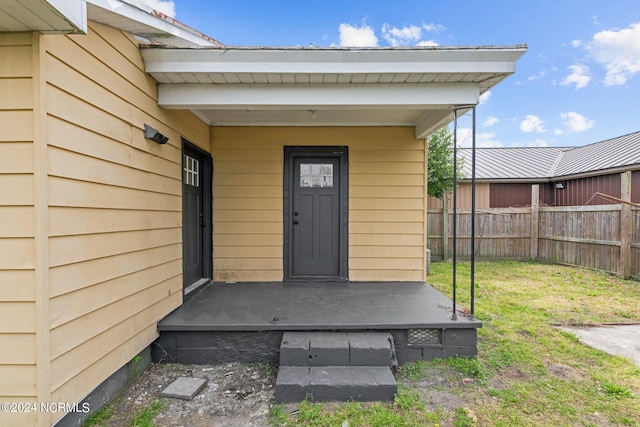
column 196, row 215
column 317, row 216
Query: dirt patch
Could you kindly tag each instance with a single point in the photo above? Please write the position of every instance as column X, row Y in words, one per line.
column 244, row 395
column 443, row 388
column 235, row 395
column 563, row 371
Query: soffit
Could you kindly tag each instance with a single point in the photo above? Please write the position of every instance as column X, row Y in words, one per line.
column 311, row 86
column 50, row 16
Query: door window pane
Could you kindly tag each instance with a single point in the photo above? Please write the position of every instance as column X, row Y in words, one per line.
column 318, row 175
column 191, row 171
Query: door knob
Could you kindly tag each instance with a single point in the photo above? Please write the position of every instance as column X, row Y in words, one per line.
column 295, row 222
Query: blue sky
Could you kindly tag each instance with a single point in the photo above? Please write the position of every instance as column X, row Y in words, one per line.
column 578, row 83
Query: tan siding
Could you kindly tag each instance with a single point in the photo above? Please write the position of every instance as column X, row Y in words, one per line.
column 78, row 275
column 115, row 200
column 71, row 249
column 19, row 349
column 17, row 227
column 66, row 308
column 17, row 285
column 100, row 369
column 76, row 166
column 74, row 193
column 15, row 60
column 16, row 125
column 17, row 380
column 17, row 221
column 115, row 321
column 386, row 195
column 17, row 189
column 16, row 157
column 71, row 221
column 17, row 94
column 17, row 317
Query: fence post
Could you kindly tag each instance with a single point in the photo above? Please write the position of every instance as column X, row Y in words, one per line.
column 445, row 227
column 535, row 219
column 626, row 225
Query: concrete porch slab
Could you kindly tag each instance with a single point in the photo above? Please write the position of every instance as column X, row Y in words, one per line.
column 295, row 306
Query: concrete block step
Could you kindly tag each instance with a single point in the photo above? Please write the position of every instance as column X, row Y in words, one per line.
column 336, row 349
column 335, row 383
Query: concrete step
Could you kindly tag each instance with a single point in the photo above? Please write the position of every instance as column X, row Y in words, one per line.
column 336, row 349
column 335, row 383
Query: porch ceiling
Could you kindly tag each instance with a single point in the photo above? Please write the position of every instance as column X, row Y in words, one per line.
column 328, row 87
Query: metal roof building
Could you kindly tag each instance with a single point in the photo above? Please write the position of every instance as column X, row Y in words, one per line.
column 549, row 164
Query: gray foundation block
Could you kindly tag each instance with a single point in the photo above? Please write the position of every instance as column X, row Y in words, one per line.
column 294, row 350
column 184, row 388
column 335, row 383
column 336, row 349
column 370, row 349
column 329, row 349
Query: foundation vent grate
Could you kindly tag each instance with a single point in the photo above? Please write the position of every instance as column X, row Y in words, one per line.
column 421, row 337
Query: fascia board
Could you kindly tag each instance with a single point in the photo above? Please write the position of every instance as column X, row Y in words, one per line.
column 248, row 96
column 314, row 61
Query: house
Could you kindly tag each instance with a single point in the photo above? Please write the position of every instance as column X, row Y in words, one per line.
column 566, row 176
column 140, row 160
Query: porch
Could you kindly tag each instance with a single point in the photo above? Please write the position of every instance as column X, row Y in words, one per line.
column 225, row 322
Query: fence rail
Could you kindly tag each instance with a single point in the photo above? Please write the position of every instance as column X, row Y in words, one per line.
column 597, row 237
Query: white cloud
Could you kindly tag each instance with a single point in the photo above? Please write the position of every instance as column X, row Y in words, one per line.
column 352, row 36
column 540, row 75
column 167, row 7
column 579, row 76
column 484, row 98
column 405, row 36
column 491, row 121
column 619, row 52
column 575, row 122
column 435, row 28
column 427, row 43
column 483, row 139
column 576, row 43
column 408, row 35
column 532, row 124
column 487, row 139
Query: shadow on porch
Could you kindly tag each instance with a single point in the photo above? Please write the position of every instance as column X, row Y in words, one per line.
column 226, row 322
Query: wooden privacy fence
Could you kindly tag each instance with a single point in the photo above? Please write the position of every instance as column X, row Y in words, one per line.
column 605, row 237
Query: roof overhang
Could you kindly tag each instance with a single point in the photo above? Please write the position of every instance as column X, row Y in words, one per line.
column 142, row 20
column 416, row 87
column 70, row 16
column 49, row 16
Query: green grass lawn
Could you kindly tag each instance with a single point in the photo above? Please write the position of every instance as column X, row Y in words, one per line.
column 528, row 372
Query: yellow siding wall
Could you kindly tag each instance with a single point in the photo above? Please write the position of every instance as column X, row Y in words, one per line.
column 115, row 240
column 386, row 199
column 18, row 375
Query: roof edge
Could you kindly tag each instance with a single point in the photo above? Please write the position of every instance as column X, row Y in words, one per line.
column 159, row 27
column 517, row 47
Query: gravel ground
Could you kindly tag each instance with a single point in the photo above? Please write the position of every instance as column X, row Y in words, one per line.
column 235, row 395
column 243, row 395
